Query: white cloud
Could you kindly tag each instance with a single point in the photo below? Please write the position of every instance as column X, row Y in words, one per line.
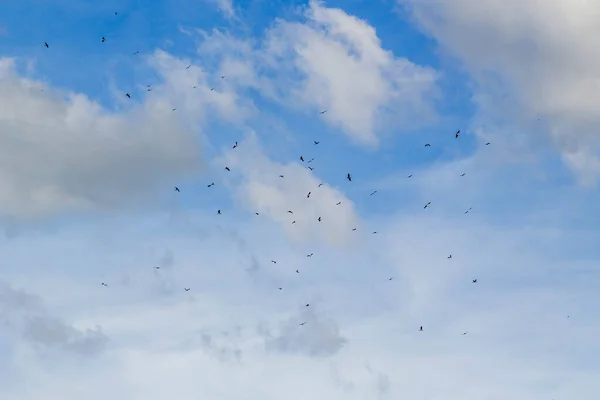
column 528, row 66
column 332, row 61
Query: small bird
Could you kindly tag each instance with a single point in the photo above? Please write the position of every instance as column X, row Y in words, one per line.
column 187, row 289
column 320, row 184
column 227, row 168
column 427, row 205
column 464, row 333
column 137, row 52
column 103, row 39
column 319, row 219
column 308, row 195
column 188, row 67
column 281, row 176
column 257, row 213
column 307, row 304
column 474, row 281
column 488, row 143
column 157, row 268
column 223, row 76
column 212, row 184
column 338, row 203
column 349, row 177
column 174, row 109
column 290, row 212
column 280, row 288
column 463, row 174
column 323, row 112
column 421, row 329
column 128, row 95
column 353, row 229
column 219, row 212
column 391, row 278
column 311, row 160
column 212, row 88
column 374, row 233
column 46, row 44
column 450, row 256
column 470, row 208
column 315, row 142
column 410, row 176
column 457, row 134
column 297, row 271
column 104, row 284
column 309, row 255
column 274, row 262
column 293, row 222
column 177, row 189
column 427, row 145
column 311, row 168
column 301, row 158
column 302, row 323
column 373, row 193
column 115, row 13
column 235, row 145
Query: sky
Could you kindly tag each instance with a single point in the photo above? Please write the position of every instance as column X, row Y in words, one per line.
column 279, row 277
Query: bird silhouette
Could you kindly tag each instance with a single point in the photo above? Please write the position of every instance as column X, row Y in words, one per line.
column 427, row 145
column 219, row 212
column 103, row 39
column 177, row 189
column 188, row 67
column 311, row 168
column 323, row 112
column 474, row 281
column 349, row 177
column 427, row 205
column 457, row 134
column 128, row 95
column 274, row 262
column 450, row 256
column 211, row 184
column 235, row 145
column 46, row 44
column 227, row 168
column 315, row 142
column 338, row 203
column 187, row 289
column 421, row 329
column 319, row 219
column 308, row 195
column 373, row 193
column 410, row 176
column 301, row 158
column 281, row 176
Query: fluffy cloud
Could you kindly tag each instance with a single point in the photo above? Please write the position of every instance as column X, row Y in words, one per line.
column 539, row 73
column 332, row 61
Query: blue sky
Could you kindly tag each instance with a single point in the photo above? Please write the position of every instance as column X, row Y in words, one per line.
column 87, row 179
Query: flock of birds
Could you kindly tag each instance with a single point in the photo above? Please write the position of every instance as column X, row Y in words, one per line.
column 319, row 219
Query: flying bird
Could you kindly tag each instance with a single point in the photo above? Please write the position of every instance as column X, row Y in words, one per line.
column 297, row 271
column 290, row 212
column 227, row 168
column 137, row 52
column 450, row 256
column 174, row 109
column 488, row 143
column 301, row 158
column 256, row 213
column 311, row 168
column 323, row 112
column 274, row 262
column 188, row 67
column 128, row 95
column 311, row 160
column 338, row 203
column 457, row 134
column 421, row 329
column 427, row 205
column 307, row 304
column 281, row 176
column 427, row 145
column 157, row 268
column 219, row 212
column 46, row 44
column 235, row 145
column 474, row 281
column 391, row 278
column 212, row 184
column 293, row 222
column 374, row 233
column 463, row 174
column 320, row 184
column 349, row 177
column 470, row 208
column 308, row 195
column 353, row 229
column 187, row 289
column 104, row 284
column 302, row 323
column 373, row 193
column 177, row 189
column 319, row 219
column 464, row 333
column 309, row 255
column 316, row 143
column 280, row 288
column 410, row 176
column 103, row 39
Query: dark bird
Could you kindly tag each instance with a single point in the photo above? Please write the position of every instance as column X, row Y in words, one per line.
column 103, row 39
column 319, row 219
column 188, row 67
column 323, row 112
column 307, row 304
column 297, row 271
column 338, row 203
column 212, row 88
column 293, row 222
column 311, row 160
column 427, row 145
column 128, row 95
column 256, row 213
column 488, row 143
column 421, row 329
column 464, row 333
column 308, row 195
column 235, row 145
column 427, row 205
column 410, row 176
column 187, row 289
column 316, row 142
column 157, row 268
column 373, row 193
column 46, row 44
column 281, row 176
column 311, row 168
column 353, row 229
column 115, row 13
column 212, row 184
column 301, row 158
column 280, row 288
column 463, row 174
column 274, row 262
column 290, row 212
column 457, row 134
column 450, row 256
column 104, row 284
column 302, row 323
column 177, row 189
column 227, row 168
column 174, row 109
column 223, row 76
column 374, row 233
column 219, row 212
column 320, row 184
column 470, row 208
column 309, row 255
column 137, row 52
column 349, row 177
column 474, row 281
column 390, row 278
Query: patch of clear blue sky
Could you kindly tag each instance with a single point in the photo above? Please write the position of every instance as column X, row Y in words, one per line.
column 77, row 60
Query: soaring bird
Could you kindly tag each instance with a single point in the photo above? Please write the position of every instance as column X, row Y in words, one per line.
column 427, row 205
column 353, row 229
column 323, row 112
column 316, row 142
column 290, row 212
column 308, row 195
column 457, row 134
column 297, row 271
column 470, row 208
column 311, row 168
column 309, row 255
column 319, row 219
column 373, row 193
column 307, row 304
column 177, row 189
column 391, row 278
column 463, row 174
column 212, row 184
column 235, row 145
column 104, row 284
column 338, row 203
column 488, row 143
column 474, row 281
column 219, row 212
column 421, row 329
column 128, row 95
column 410, row 176
column 274, row 262
column 450, row 256
column 137, row 52
column 301, row 158
column 227, row 168
column 188, row 67
column 427, row 145
column 281, row 176
column 46, row 44
column 349, row 177
column 302, row 323
column 103, row 39
column 187, row 289
column 320, row 184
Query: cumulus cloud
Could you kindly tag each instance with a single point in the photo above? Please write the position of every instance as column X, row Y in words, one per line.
column 540, row 74
column 333, row 61
column 63, row 151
